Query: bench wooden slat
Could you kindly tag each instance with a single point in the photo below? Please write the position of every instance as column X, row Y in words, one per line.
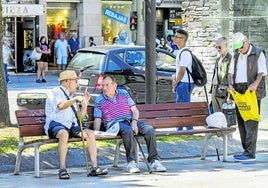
column 32, row 130
column 172, row 113
column 31, row 120
column 30, row 113
column 168, row 106
column 159, row 123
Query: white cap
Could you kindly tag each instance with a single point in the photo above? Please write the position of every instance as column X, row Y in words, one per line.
column 238, row 40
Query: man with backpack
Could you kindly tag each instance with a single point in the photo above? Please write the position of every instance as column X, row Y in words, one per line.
column 183, row 83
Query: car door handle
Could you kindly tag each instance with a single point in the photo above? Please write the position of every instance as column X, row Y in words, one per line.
column 163, row 81
column 132, row 79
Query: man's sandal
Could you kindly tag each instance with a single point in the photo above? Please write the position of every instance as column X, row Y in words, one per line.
column 63, row 174
column 97, row 171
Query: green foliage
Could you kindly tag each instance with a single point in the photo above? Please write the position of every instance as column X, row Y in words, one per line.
column 9, row 141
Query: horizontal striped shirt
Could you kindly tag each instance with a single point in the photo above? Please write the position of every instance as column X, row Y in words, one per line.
column 114, row 109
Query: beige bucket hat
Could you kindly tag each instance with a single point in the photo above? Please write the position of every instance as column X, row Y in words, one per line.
column 68, row 75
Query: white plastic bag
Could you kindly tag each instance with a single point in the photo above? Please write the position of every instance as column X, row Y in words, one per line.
column 216, row 120
column 35, row 55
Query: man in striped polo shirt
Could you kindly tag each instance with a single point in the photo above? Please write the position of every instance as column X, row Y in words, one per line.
column 116, row 105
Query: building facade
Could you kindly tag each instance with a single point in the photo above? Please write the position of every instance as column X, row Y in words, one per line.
column 205, row 20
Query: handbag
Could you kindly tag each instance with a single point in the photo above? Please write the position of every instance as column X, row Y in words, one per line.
column 35, row 55
column 221, row 91
column 228, row 108
column 247, row 105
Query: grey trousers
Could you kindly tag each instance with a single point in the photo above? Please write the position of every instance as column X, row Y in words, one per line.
column 248, row 129
column 147, row 132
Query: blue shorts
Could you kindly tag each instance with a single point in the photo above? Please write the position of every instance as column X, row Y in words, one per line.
column 61, row 60
column 55, row 127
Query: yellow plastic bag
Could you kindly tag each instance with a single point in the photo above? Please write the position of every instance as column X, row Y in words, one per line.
column 247, row 105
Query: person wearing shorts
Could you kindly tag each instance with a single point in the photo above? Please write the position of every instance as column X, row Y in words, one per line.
column 61, row 52
column 62, row 121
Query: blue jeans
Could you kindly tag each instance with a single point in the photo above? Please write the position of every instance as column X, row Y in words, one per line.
column 183, row 94
column 146, row 131
column 6, row 72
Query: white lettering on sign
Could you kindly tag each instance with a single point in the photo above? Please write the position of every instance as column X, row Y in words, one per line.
column 22, row 10
column 116, row 16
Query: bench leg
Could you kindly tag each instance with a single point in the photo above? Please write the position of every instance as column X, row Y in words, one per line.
column 204, row 149
column 224, row 137
column 117, row 152
column 18, row 160
column 36, row 161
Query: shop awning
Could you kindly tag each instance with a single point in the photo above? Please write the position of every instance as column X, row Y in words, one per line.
column 22, row 10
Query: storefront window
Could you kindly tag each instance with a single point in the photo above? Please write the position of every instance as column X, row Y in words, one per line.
column 115, row 22
column 60, row 20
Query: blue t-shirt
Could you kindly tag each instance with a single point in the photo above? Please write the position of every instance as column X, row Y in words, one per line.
column 74, row 44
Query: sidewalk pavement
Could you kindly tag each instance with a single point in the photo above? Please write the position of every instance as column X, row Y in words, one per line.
column 185, row 172
column 182, row 160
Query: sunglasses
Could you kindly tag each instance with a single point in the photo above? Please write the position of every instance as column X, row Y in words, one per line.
column 218, row 47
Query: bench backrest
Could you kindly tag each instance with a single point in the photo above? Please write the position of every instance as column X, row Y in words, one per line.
column 169, row 115
column 31, row 122
column 172, row 115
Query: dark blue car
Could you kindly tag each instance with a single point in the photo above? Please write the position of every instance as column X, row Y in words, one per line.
column 127, row 65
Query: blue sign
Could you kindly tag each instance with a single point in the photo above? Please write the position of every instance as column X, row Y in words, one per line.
column 115, row 16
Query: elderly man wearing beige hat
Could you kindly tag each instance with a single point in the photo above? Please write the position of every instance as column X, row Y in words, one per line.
column 247, row 72
column 62, row 121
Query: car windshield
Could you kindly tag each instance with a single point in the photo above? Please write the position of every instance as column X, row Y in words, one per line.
column 94, row 60
column 165, row 62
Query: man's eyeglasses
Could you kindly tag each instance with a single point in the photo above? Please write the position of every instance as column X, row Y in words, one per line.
column 178, row 37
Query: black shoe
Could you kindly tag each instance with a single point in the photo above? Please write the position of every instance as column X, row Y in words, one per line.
column 44, row 80
column 38, row 81
column 96, row 171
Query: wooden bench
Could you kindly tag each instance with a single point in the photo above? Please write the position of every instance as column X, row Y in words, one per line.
column 163, row 117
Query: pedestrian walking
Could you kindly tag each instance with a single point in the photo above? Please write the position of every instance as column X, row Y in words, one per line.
column 73, row 43
column 220, row 75
column 61, row 52
column 247, row 72
column 164, row 45
column 7, row 56
column 182, row 84
column 91, row 41
column 42, row 64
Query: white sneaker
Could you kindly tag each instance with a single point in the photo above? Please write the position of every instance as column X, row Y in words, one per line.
column 157, row 166
column 132, row 167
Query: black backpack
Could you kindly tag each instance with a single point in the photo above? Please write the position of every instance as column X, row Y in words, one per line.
column 198, row 73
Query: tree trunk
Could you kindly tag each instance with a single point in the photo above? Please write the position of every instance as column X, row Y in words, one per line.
column 4, row 106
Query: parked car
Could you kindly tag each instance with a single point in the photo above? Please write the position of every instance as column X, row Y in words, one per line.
column 127, row 65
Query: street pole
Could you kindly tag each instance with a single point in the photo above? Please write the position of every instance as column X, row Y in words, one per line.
column 150, row 69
